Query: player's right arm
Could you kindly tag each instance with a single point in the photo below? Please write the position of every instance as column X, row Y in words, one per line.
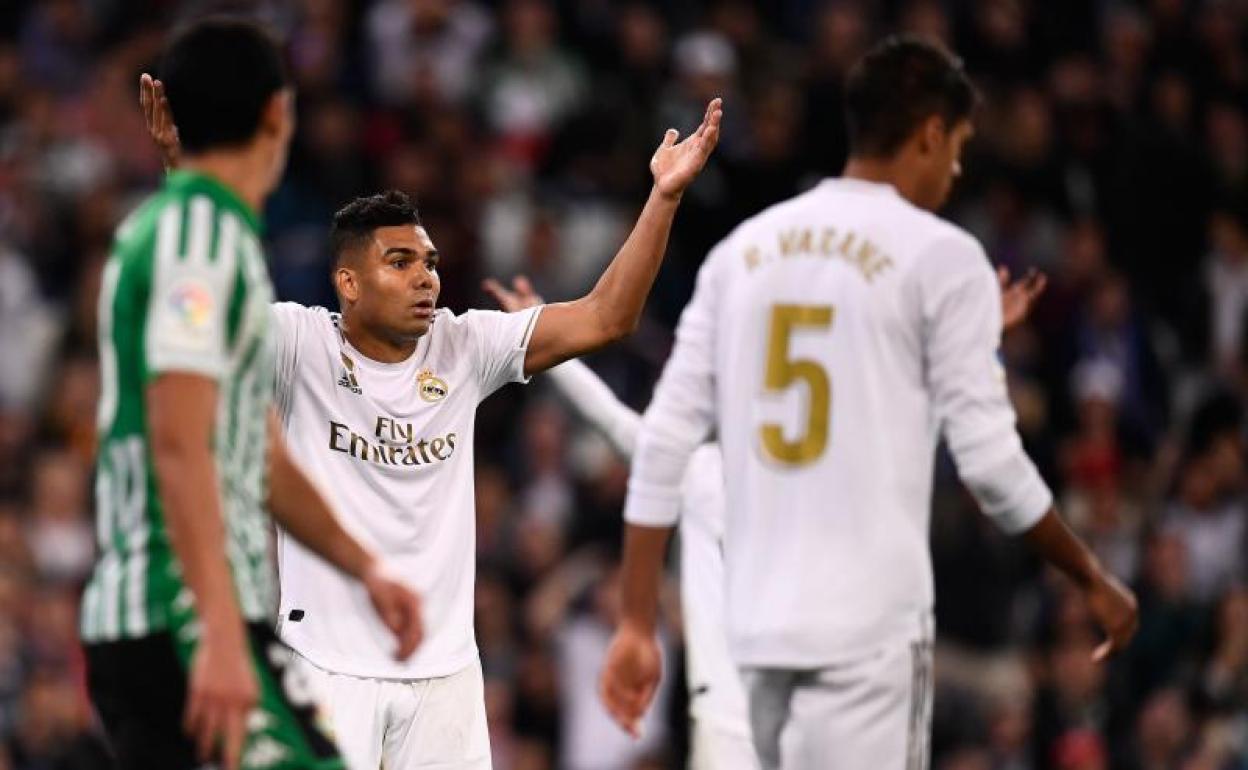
column 960, row 304
column 222, row 686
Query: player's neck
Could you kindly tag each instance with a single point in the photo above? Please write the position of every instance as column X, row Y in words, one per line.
column 237, row 171
column 891, row 171
column 379, row 348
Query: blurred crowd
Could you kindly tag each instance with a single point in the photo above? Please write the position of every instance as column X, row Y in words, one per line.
column 1112, row 153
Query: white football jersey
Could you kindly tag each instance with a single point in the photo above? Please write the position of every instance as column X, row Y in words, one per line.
column 391, row 447
column 831, row 340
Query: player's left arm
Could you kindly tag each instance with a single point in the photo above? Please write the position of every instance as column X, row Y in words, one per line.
column 575, row 381
column 298, row 508
column 612, row 309
column 962, row 310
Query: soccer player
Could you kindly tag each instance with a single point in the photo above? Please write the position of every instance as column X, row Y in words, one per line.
column 380, row 403
column 830, row 342
column 177, row 616
column 718, row 710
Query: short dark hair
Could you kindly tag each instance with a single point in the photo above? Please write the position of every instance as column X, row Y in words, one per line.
column 355, row 222
column 897, row 85
column 219, row 73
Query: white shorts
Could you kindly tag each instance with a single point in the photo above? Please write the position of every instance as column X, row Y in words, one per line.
column 715, row 747
column 398, row 724
column 875, row 713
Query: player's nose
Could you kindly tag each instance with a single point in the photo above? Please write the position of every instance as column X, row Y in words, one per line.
column 422, row 277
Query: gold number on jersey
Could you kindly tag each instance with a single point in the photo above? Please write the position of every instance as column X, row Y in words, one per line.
column 783, row 372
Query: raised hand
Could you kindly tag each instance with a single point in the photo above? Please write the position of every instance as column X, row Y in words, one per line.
column 159, row 120
column 675, row 166
column 520, row 296
column 1018, row 298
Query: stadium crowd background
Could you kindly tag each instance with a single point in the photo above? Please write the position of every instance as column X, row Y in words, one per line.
column 1112, row 153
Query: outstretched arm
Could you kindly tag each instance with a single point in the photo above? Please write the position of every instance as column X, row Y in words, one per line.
column 575, row 381
column 612, row 308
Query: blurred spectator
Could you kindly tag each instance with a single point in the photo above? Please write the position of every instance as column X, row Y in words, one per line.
column 28, row 329
column 425, row 50
column 1211, row 526
column 530, row 84
column 59, row 532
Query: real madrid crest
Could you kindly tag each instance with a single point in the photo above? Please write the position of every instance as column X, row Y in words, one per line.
column 432, row 388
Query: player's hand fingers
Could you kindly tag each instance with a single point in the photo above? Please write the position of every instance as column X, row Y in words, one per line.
column 611, row 693
column 1036, row 284
column 618, row 709
column 710, row 138
column 409, row 627
column 629, row 702
column 669, row 138
column 496, row 291
column 193, row 715
column 208, row 729
column 1003, row 277
column 710, row 121
column 147, row 98
column 235, row 735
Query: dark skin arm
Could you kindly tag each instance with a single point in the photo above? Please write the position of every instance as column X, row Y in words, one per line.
column 1111, row 603
column 633, row 666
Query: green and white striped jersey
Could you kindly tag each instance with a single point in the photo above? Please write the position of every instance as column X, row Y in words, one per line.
column 184, row 290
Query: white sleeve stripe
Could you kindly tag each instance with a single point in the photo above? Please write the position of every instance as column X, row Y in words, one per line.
column 199, row 236
column 168, row 233
column 530, row 327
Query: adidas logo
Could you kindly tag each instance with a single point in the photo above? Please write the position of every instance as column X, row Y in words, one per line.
column 347, row 380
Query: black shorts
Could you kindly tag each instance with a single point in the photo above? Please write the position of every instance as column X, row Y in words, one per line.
column 139, row 688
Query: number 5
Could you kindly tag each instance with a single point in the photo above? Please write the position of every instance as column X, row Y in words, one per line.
column 783, row 372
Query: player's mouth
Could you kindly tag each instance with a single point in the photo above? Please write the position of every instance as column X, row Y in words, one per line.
column 423, row 308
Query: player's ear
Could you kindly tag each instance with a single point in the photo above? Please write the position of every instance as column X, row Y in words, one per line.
column 345, row 283
column 278, row 117
column 932, row 134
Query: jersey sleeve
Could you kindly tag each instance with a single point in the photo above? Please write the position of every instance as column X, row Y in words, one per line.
column 960, row 303
column 191, row 289
column 682, row 413
column 595, row 402
column 500, row 341
column 286, row 324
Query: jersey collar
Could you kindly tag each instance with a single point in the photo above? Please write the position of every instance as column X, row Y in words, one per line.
column 185, row 178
